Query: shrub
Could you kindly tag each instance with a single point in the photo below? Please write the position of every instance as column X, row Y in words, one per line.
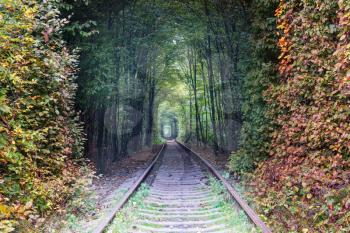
column 39, row 132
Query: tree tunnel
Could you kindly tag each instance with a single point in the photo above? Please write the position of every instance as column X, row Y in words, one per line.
column 169, row 125
column 260, row 85
column 138, row 56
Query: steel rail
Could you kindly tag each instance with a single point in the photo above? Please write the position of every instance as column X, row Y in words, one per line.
column 234, row 194
column 103, row 225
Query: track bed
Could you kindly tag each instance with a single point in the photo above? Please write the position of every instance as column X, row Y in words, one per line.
column 181, row 193
column 180, row 199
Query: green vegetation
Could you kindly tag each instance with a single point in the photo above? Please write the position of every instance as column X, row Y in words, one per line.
column 261, row 72
column 41, row 139
column 153, row 58
column 236, row 219
column 129, row 214
column 266, row 81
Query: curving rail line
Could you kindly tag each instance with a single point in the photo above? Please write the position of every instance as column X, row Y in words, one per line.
column 180, row 199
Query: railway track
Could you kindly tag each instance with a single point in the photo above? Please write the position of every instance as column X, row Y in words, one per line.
column 180, row 199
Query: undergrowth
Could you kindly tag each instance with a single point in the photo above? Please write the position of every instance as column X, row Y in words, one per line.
column 235, row 219
column 130, row 212
column 41, row 138
column 83, row 214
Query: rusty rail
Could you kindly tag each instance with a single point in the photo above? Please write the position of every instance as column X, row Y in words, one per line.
column 242, row 203
column 103, row 225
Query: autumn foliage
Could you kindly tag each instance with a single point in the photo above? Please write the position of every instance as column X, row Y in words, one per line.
column 38, row 131
column 304, row 186
column 294, row 109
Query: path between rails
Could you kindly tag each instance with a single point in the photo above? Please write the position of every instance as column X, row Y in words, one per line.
column 180, row 199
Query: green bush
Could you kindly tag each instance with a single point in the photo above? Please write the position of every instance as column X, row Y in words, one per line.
column 39, row 133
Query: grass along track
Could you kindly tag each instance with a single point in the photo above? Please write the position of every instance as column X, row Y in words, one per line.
column 183, row 197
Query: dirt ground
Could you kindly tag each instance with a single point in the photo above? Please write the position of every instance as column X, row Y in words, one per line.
column 109, row 188
column 218, row 161
column 120, row 171
column 121, row 174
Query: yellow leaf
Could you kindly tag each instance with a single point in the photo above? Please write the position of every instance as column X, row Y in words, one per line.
column 5, row 210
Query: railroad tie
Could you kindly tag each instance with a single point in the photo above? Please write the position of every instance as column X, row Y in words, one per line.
column 180, row 199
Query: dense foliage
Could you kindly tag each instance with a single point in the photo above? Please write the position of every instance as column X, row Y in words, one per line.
column 39, row 133
column 142, row 50
column 304, row 185
column 213, row 66
column 267, row 80
column 120, row 68
column 210, row 66
column 261, row 66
